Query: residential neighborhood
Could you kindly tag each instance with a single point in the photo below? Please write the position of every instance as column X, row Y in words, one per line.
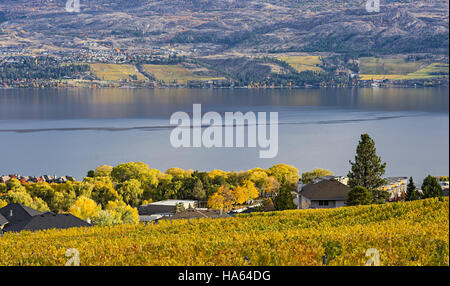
column 34, row 179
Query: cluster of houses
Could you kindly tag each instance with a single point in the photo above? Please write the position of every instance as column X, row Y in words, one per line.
column 16, row 218
column 34, row 179
column 332, row 191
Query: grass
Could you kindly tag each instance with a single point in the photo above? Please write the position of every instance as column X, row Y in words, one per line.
column 303, row 63
column 175, row 73
column 116, row 72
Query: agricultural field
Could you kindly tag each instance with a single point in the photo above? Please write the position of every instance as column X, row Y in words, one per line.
column 400, row 69
column 175, row 73
column 303, row 63
column 412, row 233
column 116, row 72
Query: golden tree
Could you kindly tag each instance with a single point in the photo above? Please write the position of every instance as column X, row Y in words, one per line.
column 84, row 208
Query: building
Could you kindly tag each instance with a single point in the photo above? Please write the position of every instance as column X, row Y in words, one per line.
column 341, row 179
column 161, row 209
column 396, row 187
column 323, row 194
column 19, row 218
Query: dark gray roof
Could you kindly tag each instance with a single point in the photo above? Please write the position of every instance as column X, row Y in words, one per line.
column 47, row 220
column 193, row 214
column 325, row 190
column 152, row 209
column 3, row 220
column 19, row 212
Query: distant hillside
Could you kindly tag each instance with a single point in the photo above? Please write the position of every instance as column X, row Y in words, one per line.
column 206, row 27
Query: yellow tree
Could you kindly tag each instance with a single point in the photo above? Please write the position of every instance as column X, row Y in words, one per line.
column 223, row 199
column 270, row 187
column 84, row 208
column 103, row 171
column 286, row 175
column 252, row 191
column 310, row 176
column 123, row 212
column 257, row 176
column 3, row 203
column 241, row 194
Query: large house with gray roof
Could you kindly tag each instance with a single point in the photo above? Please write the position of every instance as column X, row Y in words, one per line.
column 323, row 194
column 16, row 218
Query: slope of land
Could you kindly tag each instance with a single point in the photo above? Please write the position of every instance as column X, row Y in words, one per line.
column 202, row 27
column 412, row 233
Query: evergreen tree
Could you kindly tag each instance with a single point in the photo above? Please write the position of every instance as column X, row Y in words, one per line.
column 358, row 196
column 367, row 170
column 284, row 200
column 412, row 193
column 431, row 188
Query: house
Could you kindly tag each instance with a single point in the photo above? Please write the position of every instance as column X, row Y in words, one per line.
column 165, row 208
column 395, row 186
column 341, row 179
column 323, row 194
column 4, row 179
column 19, row 218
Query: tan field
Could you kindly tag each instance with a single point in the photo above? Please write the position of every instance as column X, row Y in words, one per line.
column 175, row 73
column 116, row 72
column 303, row 63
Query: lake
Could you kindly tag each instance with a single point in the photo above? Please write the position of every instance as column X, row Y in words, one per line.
column 69, row 131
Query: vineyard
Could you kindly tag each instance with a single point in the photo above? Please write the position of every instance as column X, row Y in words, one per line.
column 412, row 233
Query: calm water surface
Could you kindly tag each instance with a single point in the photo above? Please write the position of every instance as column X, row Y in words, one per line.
column 69, row 131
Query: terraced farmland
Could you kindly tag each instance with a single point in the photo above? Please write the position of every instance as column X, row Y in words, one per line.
column 303, row 63
column 116, row 72
column 175, row 74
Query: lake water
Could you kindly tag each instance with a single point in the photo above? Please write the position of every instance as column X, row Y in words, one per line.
column 69, row 131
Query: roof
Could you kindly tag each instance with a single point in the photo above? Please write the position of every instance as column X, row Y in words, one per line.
column 47, row 220
column 19, row 212
column 173, row 202
column 325, row 190
column 152, row 209
column 193, row 214
column 3, row 220
column 393, row 180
